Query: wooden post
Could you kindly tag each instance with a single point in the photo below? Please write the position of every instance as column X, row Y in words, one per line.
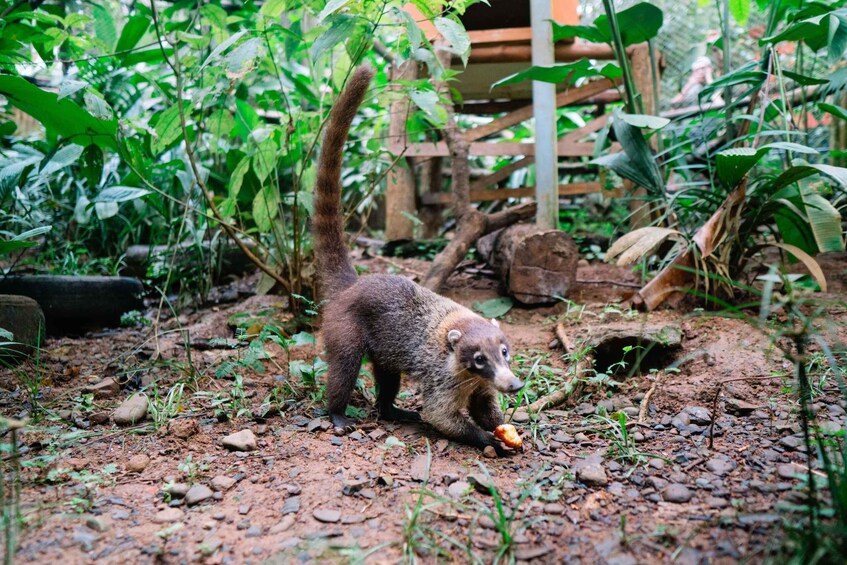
column 544, row 111
column 400, row 182
column 642, row 75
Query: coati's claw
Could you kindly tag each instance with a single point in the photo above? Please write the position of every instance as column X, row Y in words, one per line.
column 342, row 424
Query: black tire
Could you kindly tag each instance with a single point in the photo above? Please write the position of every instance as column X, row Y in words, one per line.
column 74, row 305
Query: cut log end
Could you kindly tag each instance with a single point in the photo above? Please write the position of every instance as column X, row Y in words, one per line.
column 534, row 265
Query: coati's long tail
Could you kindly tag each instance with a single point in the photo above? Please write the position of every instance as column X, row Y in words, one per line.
column 335, row 271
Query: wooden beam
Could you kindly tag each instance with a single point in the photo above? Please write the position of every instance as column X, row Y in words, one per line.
column 574, row 136
column 565, row 149
column 523, row 192
column 564, row 52
column 563, row 99
column 502, row 174
column 400, row 181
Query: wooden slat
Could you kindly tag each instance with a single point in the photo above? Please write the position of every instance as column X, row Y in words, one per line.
column 523, row 192
column 502, row 174
column 563, row 99
column 589, row 128
column 566, row 149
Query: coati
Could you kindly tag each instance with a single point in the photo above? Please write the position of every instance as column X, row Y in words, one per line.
column 458, row 358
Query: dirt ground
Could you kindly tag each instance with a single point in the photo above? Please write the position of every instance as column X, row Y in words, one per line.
column 93, row 491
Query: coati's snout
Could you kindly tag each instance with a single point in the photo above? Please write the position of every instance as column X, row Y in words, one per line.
column 484, row 351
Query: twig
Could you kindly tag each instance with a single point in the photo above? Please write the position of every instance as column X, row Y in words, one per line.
column 645, row 402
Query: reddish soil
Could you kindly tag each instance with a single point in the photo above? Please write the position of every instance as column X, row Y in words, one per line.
column 691, row 503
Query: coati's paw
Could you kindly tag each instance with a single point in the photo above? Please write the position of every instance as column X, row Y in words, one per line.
column 494, row 442
column 342, row 424
column 399, row 415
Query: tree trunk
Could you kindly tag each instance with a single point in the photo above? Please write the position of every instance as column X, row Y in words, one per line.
column 534, row 265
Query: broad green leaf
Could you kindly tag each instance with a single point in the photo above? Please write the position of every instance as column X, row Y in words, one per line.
column 242, row 59
column 91, row 166
column 645, row 121
column 63, row 117
column 104, row 25
column 168, row 128
column 637, row 162
column 427, row 100
column 637, row 24
column 266, row 207
column 97, row 105
column 740, row 10
column 495, row 307
column 32, row 233
column 733, row 164
column 120, row 194
column 455, row 34
column 216, row 16
column 83, row 210
column 106, row 210
column 13, row 245
column 413, row 30
column 237, row 177
column 588, row 33
column 303, row 338
column 273, row 8
column 220, row 123
column 798, row 172
column 341, row 28
column 331, row 7
column 133, row 31
column 566, row 72
column 836, row 36
column 69, row 87
column 265, row 158
column 217, row 52
column 64, row 157
column 805, row 80
column 836, row 111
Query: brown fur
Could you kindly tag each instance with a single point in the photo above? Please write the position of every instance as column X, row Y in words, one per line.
column 456, row 356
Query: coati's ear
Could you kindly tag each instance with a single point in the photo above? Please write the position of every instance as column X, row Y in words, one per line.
column 495, row 323
column 452, row 337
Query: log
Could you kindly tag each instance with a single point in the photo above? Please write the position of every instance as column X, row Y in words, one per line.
column 534, row 265
column 228, row 259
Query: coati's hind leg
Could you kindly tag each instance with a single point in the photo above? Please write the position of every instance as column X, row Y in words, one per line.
column 388, row 384
column 485, row 410
column 344, row 351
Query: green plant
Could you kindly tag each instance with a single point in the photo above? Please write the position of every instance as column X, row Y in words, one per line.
column 10, row 487
column 163, row 408
column 622, row 446
column 191, row 469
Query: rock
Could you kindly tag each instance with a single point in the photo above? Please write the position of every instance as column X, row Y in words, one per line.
column 788, row 471
column 291, row 505
column 106, row 388
column 168, row 515
column 676, row 492
column 720, row 467
column 131, row 411
column 716, row 502
column 283, row 525
column 240, row 441
column 489, row 452
column 349, row 488
column 99, row 418
column 520, row 417
column 592, row 473
column 326, row 515
column 554, row 508
column 75, row 463
column 698, row 415
column 197, row 494
column 530, row 553
column 419, row 470
column 791, row 443
column 349, row 519
column 481, row 483
column 85, row 539
column 183, row 428
column 739, row 407
column 137, row 463
column 681, row 421
column 254, row 532
column 222, row 483
column 98, row 523
column 314, row 425
column 177, row 490
column 244, row 509
column 458, row 489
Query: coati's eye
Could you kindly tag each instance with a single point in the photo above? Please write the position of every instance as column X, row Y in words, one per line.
column 479, row 360
column 505, row 353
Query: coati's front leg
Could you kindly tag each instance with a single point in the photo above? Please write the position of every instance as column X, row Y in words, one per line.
column 453, row 424
column 388, row 383
column 485, row 409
